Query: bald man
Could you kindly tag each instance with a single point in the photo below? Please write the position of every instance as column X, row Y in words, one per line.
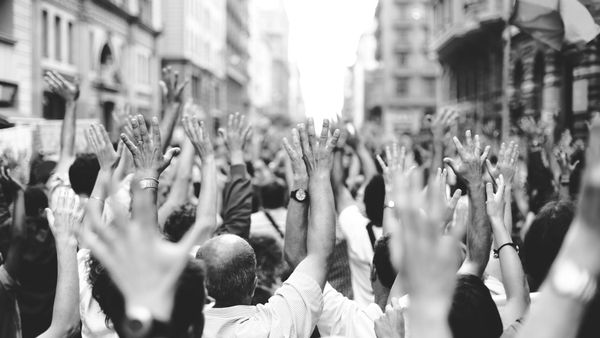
column 295, row 308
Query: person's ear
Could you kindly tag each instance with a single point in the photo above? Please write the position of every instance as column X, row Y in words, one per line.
column 254, row 287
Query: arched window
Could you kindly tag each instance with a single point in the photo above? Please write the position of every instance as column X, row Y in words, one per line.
column 539, row 71
column 106, row 56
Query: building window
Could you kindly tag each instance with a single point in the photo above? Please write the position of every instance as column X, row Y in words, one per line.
column 402, row 58
column 46, row 31
column 429, row 86
column 71, row 42
column 402, row 86
column 57, row 39
column 402, row 36
column 6, row 18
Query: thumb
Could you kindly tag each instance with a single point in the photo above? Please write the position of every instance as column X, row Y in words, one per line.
column 171, row 153
column 50, row 217
column 452, row 164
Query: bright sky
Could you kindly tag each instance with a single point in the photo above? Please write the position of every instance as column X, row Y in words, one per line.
column 324, row 36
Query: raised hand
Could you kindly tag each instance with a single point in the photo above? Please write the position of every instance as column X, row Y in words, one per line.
column 62, row 87
column 507, row 163
column 65, row 218
column 122, row 118
column 171, row 86
column 471, row 159
column 391, row 324
column 495, row 201
column 317, row 154
column 236, row 136
column 195, row 131
column 294, row 151
column 147, row 155
column 429, row 258
column 98, row 140
column 397, row 169
column 564, row 163
column 440, row 182
column 441, row 122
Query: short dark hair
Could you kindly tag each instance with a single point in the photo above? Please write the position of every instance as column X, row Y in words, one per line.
column 473, row 313
column 544, row 239
column 83, row 173
column 381, row 261
column 179, row 222
column 374, row 198
column 189, row 298
column 272, row 195
column 40, row 170
column 230, row 281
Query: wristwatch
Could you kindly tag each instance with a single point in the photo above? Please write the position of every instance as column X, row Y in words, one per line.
column 572, row 281
column 149, row 183
column 299, row 195
column 139, row 323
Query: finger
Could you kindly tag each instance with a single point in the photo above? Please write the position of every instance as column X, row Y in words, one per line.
column 170, row 154
column 132, row 147
column 324, row 132
column 388, row 155
column 246, row 136
column 469, row 140
column 304, row 140
column 104, row 134
column 452, row 164
column 223, row 134
column 485, row 154
column 135, row 128
column 382, row 163
column 230, row 122
column 455, row 198
column 288, row 148
column 489, row 191
column 459, row 147
column 296, row 141
column 144, row 131
column 395, row 153
column 156, row 137
column 477, row 145
column 500, row 190
column 50, row 217
column 242, row 121
column 332, row 142
column 402, row 162
column 312, row 137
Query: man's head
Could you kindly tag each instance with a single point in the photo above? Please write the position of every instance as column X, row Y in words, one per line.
column 544, row 239
column 179, row 222
column 231, row 270
column 83, row 173
column 374, row 199
column 473, row 313
column 382, row 271
column 187, row 310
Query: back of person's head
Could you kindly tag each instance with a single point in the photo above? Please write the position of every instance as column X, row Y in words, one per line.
column 83, row 173
column 187, row 319
column 374, row 198
column 473, row 313
column 381, row 262
column 40, row 170
column 272, row 195
column 544, row 239
column 179, row 222
column 230, row 270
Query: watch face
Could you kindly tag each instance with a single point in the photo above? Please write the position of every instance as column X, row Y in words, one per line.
column 300, row 194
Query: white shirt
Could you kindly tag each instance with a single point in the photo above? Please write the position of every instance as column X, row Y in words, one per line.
column 260, row 224
column 360, row 252
column 293, row 311
column 344, row 317
column 93, row 320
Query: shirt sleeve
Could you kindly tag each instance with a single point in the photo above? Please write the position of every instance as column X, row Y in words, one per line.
column 338, row 311
column 237, row 203
column 294, row 309
column 354, row 228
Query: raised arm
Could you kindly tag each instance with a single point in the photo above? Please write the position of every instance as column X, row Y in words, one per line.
column 572, row 281
column 63, row 222
column 479, row 232
column 70, row 93
column 513, row 276
column 98, row 140
column 296, row 221
column 439, row 123
column 318, row 158
column 206, row 212
column 172, row 93
column 149, row 163
column 237, row 193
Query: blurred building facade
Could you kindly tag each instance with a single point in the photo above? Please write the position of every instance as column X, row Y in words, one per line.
column 237, row 56
column 193, row 43
column 409, row 75
column 108, row 46
column 269, row 62
column 468, row 41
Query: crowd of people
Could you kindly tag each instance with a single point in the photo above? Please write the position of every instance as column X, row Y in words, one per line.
column 201, row 233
